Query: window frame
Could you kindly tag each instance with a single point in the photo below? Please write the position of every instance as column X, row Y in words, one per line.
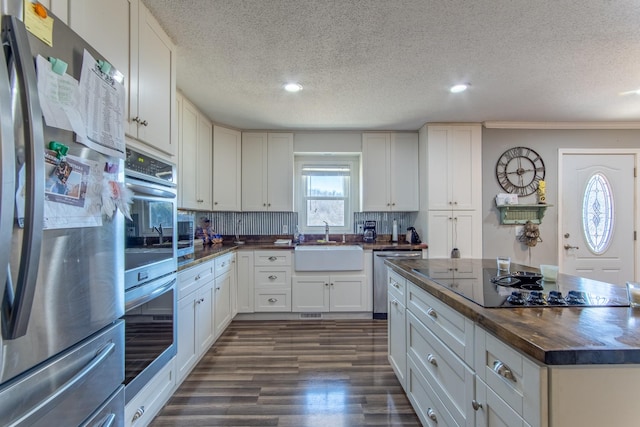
column 352, row 200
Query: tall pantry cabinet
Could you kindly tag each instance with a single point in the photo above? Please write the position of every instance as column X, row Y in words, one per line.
column 452, row 161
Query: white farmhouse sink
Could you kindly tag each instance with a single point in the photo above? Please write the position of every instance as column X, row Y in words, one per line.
column 329, row 258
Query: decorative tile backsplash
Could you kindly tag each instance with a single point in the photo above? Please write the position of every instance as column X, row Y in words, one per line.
column 270, row 223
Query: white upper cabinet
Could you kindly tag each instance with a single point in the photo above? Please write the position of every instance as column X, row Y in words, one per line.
column 390, row 172
column 153, row 84
column 267, row 171
column 129, row 37
column 454, row 167
column 194, row 157
column 227, row 167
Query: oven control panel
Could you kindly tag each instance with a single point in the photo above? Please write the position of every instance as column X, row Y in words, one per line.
column 147, row 167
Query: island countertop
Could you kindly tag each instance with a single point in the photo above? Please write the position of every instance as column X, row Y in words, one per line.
column 550, row 335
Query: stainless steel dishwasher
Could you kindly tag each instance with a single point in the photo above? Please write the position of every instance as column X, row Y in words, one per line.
column 380, row 277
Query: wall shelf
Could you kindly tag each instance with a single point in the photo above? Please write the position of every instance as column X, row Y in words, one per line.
column 520, row 214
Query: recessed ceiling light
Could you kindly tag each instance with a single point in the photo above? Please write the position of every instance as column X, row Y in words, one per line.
column 293, row 87
column 459, row 88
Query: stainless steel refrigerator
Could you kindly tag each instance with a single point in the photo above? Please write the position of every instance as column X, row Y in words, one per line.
column 62, row 340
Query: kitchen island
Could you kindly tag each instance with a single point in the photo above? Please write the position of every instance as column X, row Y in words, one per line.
column 464, row 364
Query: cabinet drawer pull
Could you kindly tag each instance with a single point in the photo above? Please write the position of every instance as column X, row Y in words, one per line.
column 476, row 405
column 223, row 264
column 272, row 258
column 273, row 277
column 272, row 300
column 138, row 414
column 197, row 277
column 326, row 284
column 431, row 414
column 395, row 285
column 431, row 312
column 395, row 302
column 503, row 370
column 432, row 359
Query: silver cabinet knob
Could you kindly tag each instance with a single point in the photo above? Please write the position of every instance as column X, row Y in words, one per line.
column 272, row 258
column 272, row 277
column 476, row 406
column 432, row 359
column 138, row 414
column 431, row 414
column 431, row 312
column 272, row 300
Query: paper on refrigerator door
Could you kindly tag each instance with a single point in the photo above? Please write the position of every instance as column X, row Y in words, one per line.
column 102, row 108
column 59, row 96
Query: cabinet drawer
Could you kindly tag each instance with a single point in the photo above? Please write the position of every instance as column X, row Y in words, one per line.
column 223, row 263
column 454, row 329
column 424, row 399
column 192, row 278
column 272, row 258
column 447, row 374
column 273, row 300
column 516, row 379
column 270, row 277
column 397, row 286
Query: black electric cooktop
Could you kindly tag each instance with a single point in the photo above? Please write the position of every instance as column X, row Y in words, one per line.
column 521, row 289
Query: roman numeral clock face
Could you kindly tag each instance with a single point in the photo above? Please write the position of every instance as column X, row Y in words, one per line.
column 519, row 170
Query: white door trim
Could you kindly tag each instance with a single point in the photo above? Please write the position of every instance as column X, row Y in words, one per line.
column 636, row 215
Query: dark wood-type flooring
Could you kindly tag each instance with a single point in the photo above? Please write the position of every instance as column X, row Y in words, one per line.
column 328, row 373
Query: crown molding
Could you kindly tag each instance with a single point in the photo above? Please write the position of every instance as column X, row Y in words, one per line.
column 561, row 125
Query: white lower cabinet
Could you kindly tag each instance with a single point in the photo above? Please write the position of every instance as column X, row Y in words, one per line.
column 245, row 286
column 144, row 406
column 329, row 292
column 195, row 319
column 272, row 281
column 458, row 374
column 224, row 288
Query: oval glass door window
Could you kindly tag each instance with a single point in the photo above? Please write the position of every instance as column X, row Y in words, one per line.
column 597, row 213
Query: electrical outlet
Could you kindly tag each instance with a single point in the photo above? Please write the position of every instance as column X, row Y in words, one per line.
column 360, row 228
column 285, row 229
column 519, row 230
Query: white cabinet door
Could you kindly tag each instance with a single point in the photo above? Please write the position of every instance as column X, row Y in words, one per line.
column 254, row 171
column 454, row 167
column 396, row 340
column 194, row 162
column 205, row 312
column 187, row 353
column 494, row 412
column 348, row 293
column 245, row 289
column 106, row 27
column 152, row 90
column 375, row 172
column 222, row 312
column 226, row 170
column 440, row 234
column 188, row 129
column 465, row 170
column 390, row 172
column 403, row 173
column 267, row 172
column 203, row 163
column 310, row 293
column 280, row 172
column 466, row 234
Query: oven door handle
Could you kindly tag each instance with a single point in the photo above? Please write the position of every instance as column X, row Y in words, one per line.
column 150, row 191
column 135, row 302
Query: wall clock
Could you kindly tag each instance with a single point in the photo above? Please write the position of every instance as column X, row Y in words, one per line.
column 519, row 170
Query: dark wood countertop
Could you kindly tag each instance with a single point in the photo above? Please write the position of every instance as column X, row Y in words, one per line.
column 551, row 335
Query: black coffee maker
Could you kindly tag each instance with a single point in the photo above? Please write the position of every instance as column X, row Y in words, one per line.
column 369, row 232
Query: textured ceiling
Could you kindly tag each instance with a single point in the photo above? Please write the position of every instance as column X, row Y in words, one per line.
column 388, row 64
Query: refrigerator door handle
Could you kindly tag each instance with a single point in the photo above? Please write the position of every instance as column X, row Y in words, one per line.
column 16, row 312
column 46, row 404
column 7, row 170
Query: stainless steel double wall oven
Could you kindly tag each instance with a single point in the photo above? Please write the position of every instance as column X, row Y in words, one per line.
column 150, row 269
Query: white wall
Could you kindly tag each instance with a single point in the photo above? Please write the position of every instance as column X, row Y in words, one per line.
column 500, row 239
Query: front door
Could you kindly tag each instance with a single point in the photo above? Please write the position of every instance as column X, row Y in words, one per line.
column 597, row 201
